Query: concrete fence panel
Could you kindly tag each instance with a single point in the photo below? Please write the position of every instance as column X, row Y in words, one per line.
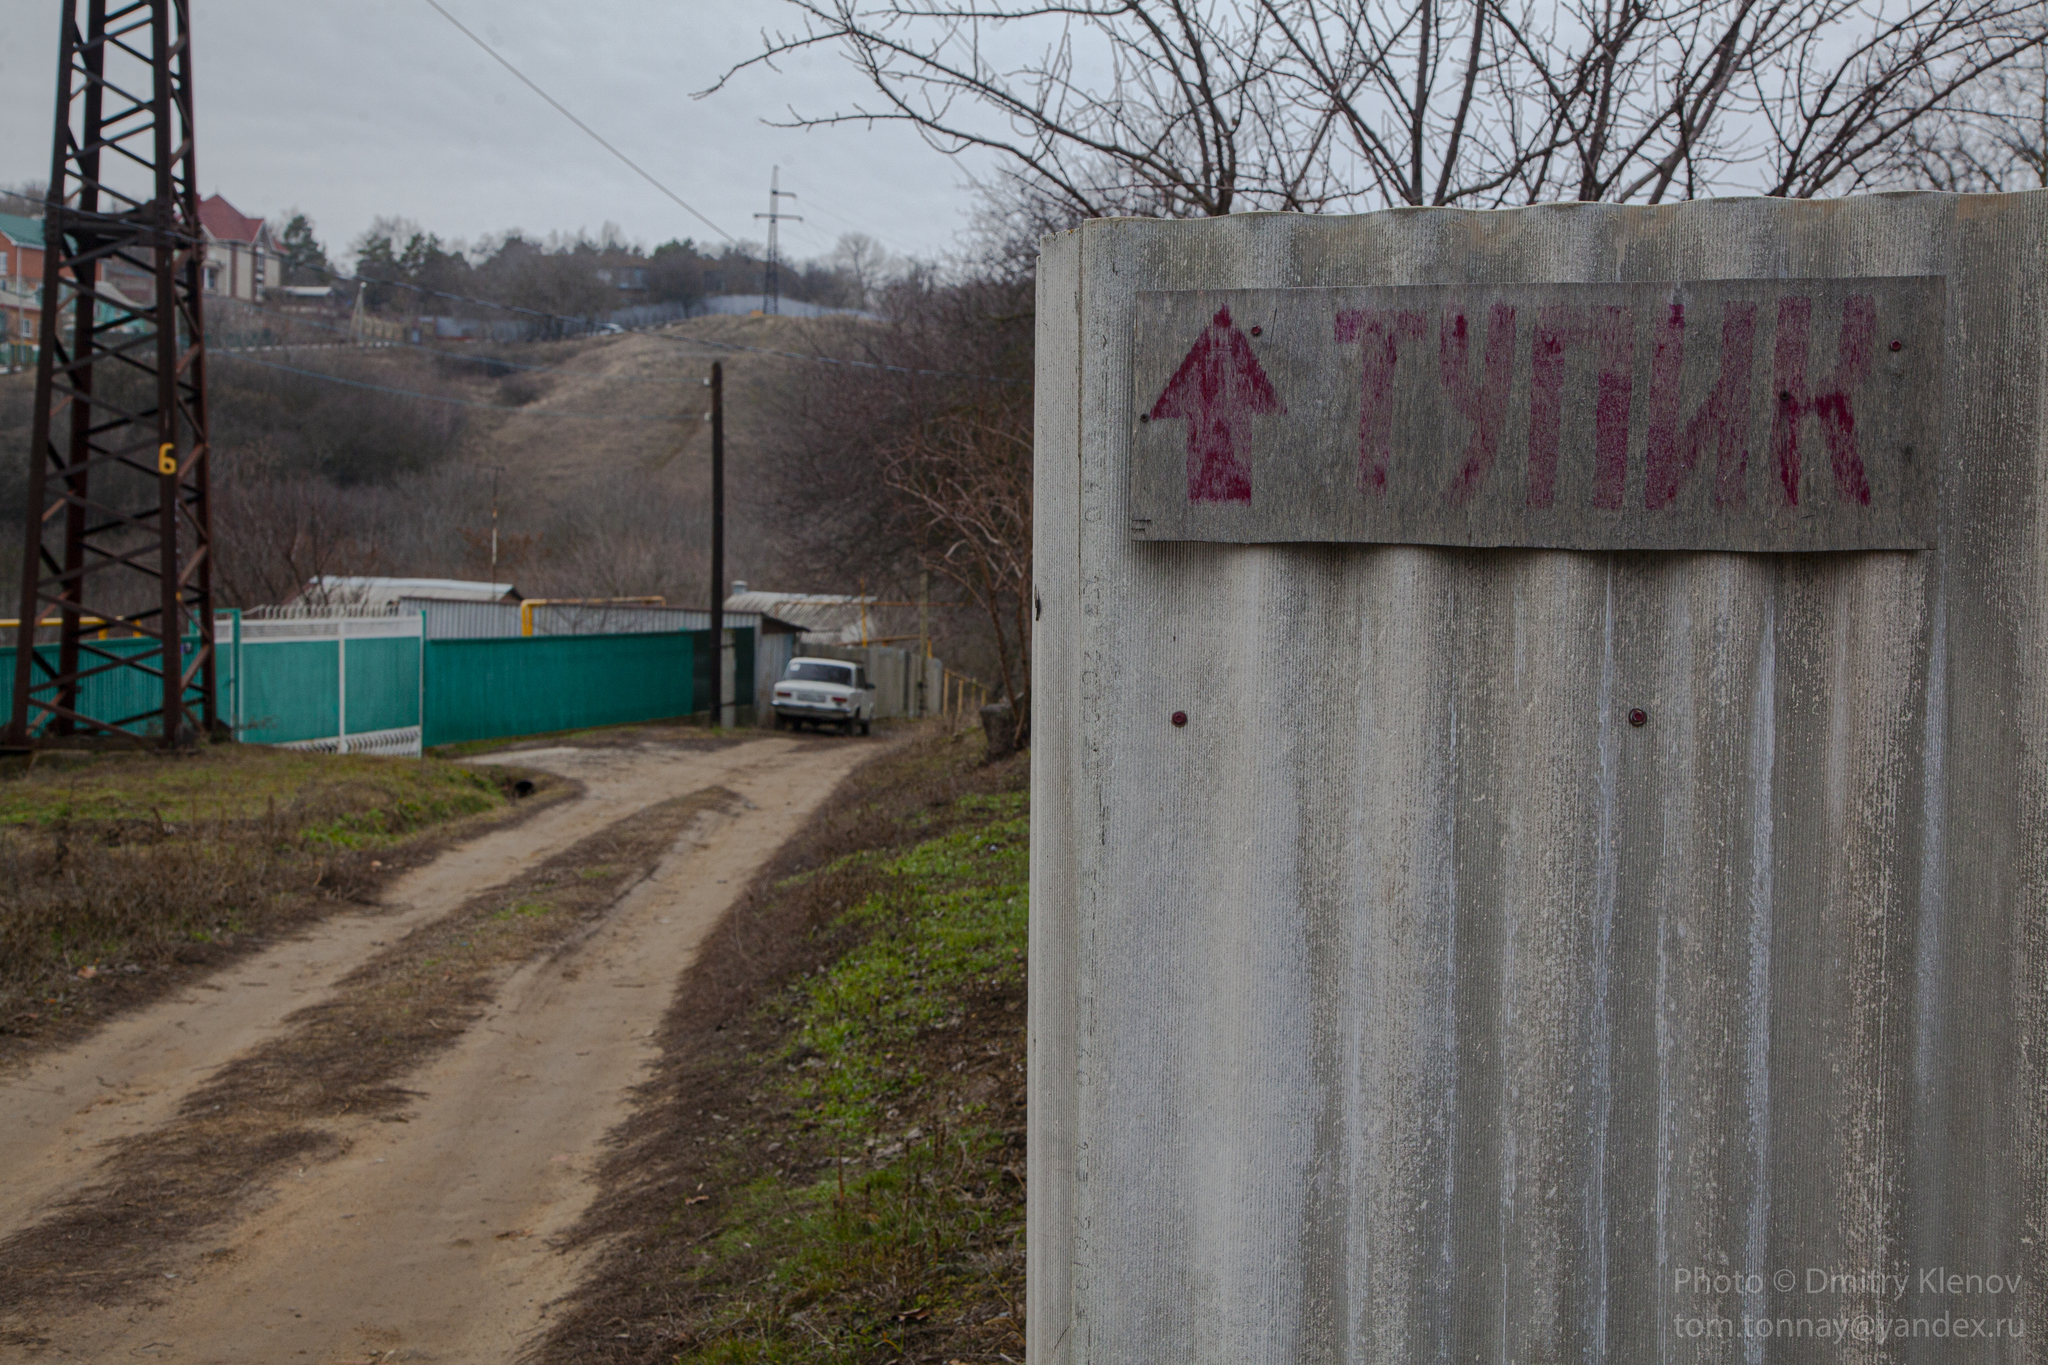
column 1539, row 777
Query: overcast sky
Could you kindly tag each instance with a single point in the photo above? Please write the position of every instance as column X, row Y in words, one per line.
column 348, row 109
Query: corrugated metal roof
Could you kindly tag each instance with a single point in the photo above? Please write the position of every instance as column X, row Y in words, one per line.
column 824, row 616
column 460, row 620
column 381, row 591
column 22, row 231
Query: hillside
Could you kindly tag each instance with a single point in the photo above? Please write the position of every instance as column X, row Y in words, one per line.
column 596, row 451
column 557, row 459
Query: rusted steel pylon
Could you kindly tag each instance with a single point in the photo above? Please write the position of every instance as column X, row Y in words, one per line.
column 118, row 547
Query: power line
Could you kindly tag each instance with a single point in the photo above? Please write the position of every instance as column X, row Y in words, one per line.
column 457, row 402
column 564, row 112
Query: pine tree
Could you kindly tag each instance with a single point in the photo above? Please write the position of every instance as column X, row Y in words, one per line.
column 305, row 260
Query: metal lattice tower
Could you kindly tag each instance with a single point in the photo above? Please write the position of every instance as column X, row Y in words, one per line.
column 118, row 546
column 771, row 277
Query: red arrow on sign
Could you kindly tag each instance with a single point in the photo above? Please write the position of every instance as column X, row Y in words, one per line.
column 1216, row 388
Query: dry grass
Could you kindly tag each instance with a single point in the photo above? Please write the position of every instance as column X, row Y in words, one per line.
column 344, row 1057
column 120, row 873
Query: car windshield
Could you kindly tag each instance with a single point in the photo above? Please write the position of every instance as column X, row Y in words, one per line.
column 824, row 673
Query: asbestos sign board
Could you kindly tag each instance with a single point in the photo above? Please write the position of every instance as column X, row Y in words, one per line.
column 1754, row 415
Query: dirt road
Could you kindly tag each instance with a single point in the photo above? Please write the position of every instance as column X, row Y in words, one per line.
column 427, row 1239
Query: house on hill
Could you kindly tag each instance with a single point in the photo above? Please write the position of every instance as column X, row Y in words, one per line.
column 242, row 262
column 21, row 290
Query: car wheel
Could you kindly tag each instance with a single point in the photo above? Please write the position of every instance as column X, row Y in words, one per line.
column 866, row 727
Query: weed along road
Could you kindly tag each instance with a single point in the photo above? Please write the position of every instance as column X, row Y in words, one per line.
column 359, row 1143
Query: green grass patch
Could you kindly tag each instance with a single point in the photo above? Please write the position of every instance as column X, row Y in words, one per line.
column 531, row 909
column 345, row 796
column 952, row 920
column 909, row 1215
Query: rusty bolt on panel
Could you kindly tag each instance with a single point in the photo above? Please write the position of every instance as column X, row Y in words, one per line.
column 1257, row 330
column 1898, row 345
column 1180, row 718
column 1638, row 717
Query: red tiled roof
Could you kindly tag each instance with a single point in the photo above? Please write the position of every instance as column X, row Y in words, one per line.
column 226, row 222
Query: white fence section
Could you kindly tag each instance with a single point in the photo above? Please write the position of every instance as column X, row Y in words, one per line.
column 372, row 703
column 400, row 743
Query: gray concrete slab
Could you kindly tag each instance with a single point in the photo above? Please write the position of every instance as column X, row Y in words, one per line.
column 1409, row 1002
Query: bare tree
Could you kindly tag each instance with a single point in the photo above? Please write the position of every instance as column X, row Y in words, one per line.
column 1993, row 138
column 917, row 458
column 1202, row 107
column 865, row 262
column 961, row 467
column 281, row 529
column 1163, row 107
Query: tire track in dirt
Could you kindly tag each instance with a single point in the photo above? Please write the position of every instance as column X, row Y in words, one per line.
column 58, row 1112
column 428, row 1239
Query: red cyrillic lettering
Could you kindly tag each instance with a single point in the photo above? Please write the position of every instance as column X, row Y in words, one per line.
column 1558, row 328
column 1481, row 399
column 1379, row 332
column 1722, row 421
column 1616, row 391
column 1830, row 406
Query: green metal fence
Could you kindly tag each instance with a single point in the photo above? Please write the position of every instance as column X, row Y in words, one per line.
column 122, row 692
column 489, row 689
column 342, row 683
column 362, row 685
column 290, row 693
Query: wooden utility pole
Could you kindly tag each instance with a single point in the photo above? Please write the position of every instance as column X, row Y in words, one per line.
column 717, row 544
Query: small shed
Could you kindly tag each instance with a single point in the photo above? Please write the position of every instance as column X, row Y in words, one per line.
column 776, row 641
column 821, row 618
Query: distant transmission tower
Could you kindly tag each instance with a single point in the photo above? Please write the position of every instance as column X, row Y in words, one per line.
column 771, row 278
column 118, row 553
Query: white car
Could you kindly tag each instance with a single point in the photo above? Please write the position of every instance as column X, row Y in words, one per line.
column 824, row 692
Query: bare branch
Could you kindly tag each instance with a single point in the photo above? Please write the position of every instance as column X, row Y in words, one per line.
column 1198, row 107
